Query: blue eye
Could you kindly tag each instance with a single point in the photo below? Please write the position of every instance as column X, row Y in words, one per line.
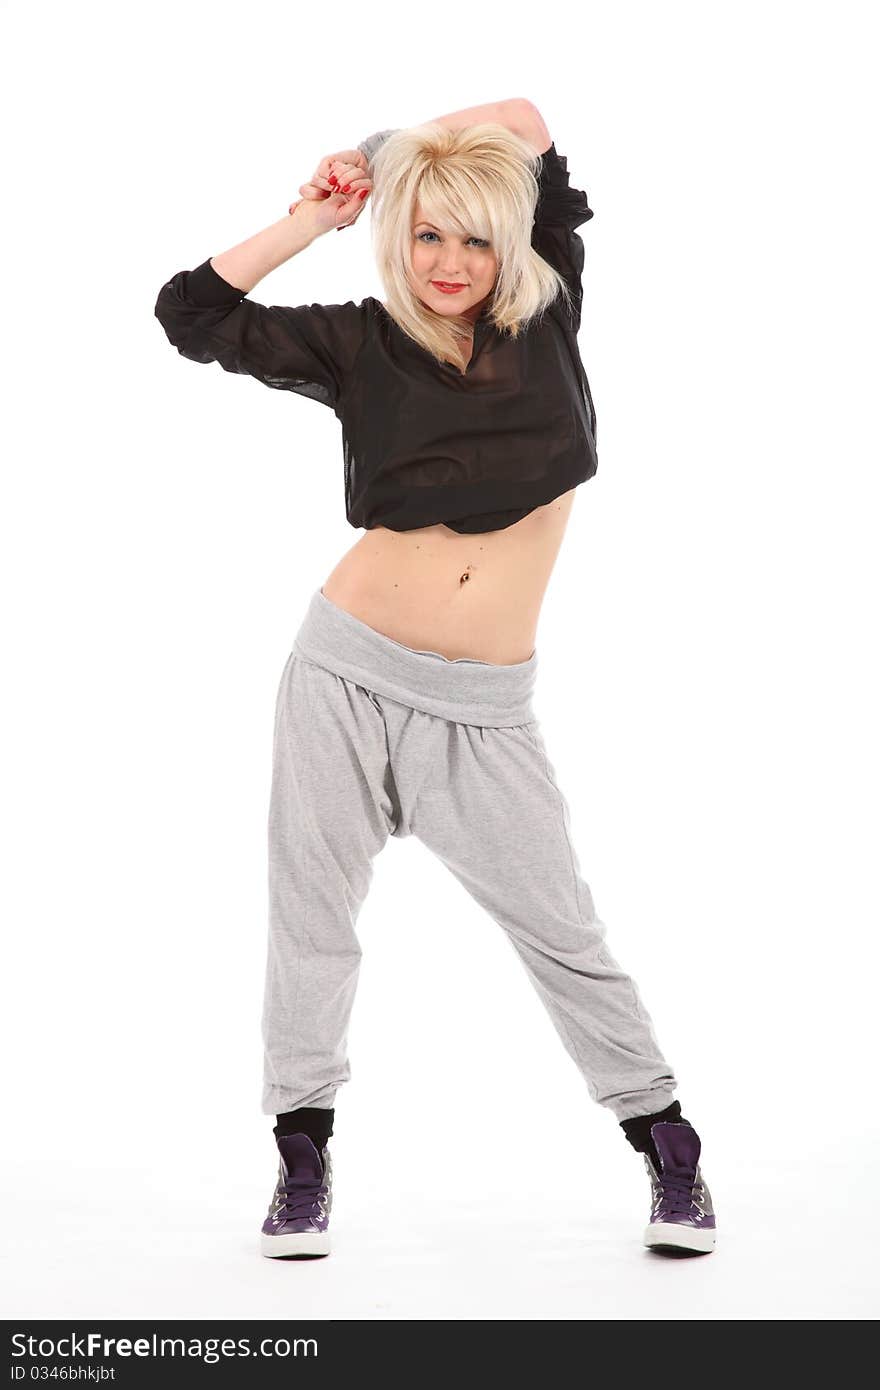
column 421, row 235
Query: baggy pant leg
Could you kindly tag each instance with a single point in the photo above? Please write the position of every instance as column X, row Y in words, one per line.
column 493, row 813
column 330, row 812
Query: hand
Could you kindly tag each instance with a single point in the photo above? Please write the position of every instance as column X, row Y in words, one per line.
column 347, row 169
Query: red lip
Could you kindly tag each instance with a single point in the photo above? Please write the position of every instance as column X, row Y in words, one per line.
column 447, row 285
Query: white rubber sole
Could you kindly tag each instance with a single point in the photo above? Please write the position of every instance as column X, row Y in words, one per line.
column 296, row 1243
column 670, row 1235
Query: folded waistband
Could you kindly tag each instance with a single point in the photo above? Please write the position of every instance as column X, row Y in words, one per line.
column 464, row 690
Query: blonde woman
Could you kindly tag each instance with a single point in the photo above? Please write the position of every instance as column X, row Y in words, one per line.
column 405, row 705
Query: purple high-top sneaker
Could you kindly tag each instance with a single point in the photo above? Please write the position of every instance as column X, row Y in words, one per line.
column 299, row 1216
column 682, row 1217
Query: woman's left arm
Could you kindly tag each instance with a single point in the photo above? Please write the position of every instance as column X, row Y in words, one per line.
column 517, row 113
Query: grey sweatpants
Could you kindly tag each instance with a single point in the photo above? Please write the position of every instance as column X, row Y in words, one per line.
column 373, row 739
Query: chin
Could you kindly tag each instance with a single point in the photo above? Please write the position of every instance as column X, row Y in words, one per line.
column 456, row 302
column 447, row 311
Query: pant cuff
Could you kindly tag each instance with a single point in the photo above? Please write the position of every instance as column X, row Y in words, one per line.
column 650, row 1104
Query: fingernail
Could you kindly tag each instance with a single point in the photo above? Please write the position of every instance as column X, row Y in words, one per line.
column 363, row 193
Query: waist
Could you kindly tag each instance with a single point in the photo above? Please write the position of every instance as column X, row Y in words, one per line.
column 463, row 596
column 464, row 690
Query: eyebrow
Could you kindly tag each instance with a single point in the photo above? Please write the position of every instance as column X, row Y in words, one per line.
column 438, row 229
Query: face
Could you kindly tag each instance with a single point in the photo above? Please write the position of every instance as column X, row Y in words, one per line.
column 466, row 261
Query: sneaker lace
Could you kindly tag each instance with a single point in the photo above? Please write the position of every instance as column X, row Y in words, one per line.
column 677, row 1198
column 300, row 1197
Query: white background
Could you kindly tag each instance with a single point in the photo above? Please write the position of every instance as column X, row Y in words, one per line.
column 708, row 674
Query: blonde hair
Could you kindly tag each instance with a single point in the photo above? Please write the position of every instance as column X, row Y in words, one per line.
column 480, row 181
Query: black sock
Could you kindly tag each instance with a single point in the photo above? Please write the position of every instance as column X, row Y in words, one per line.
column 317, row 1123
column 638, row 1129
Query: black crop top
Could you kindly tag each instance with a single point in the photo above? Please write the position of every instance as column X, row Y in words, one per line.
column 422, row 443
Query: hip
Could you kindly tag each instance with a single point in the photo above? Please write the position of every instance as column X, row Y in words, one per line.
column 460, row 690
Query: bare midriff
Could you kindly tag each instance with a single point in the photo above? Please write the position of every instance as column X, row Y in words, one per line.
column 436, row 590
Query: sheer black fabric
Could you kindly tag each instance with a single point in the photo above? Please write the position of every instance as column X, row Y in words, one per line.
column 560, row 209
column 422, row 443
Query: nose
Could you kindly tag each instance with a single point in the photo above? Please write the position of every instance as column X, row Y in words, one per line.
column 454, row 276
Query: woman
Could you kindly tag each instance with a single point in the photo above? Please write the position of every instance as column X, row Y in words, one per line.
column 405, row 704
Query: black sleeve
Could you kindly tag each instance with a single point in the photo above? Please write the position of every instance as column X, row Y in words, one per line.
column 309, row 348
column 559, row 210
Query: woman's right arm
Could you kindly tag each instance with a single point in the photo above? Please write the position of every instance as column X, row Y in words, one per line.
column 306, row 348
column 248, row 263
column 245, row 265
